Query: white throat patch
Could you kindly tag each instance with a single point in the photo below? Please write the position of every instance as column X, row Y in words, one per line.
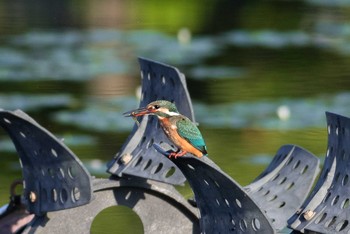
column 166, row 111
column 172, row 113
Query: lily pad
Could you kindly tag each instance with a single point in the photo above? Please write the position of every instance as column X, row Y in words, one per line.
column 302, row 113
column 6, row 145
column 105, row 115
column 219, row 72
column 27, row 102
column 267, row 38
column 329, row 3
column 82, row 55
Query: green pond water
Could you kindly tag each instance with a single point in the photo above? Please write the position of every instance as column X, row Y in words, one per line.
column 261, row 74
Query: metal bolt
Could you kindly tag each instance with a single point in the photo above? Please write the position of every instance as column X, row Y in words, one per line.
column 32, row 197
column 309, row 214
column 126, row 158
column 76, row 194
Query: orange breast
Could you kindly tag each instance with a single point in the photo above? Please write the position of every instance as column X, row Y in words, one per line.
column 171, row 131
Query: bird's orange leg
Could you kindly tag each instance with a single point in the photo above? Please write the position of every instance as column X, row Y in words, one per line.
column 176, row 154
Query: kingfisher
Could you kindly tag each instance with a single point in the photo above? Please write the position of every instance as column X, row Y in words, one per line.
column 178, row 128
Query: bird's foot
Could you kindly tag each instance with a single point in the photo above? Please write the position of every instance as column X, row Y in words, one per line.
column 177, row 154
column 170, row 153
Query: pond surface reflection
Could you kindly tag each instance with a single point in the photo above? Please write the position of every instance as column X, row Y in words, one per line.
column 260, row 74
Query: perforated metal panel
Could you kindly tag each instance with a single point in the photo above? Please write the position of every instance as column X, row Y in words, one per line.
column 284, row 185
column 224, row 205
column 159, row 206
column 327, row 209
column 54, row 178
column 137, row 156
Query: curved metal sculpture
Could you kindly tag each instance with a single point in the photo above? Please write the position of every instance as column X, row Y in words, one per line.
column 54, row 178
column 327, row 208
column 283, row 186
column 159, row 206
column 224, row 205
column 50, row 168
column 137, row 156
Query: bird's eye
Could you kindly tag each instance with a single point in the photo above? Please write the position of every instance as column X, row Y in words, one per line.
column 156, row 107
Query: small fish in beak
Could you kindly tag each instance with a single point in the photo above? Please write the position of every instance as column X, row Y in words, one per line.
column 136, row 113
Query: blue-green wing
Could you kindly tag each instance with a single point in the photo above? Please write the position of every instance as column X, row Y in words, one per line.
column 189, row 131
